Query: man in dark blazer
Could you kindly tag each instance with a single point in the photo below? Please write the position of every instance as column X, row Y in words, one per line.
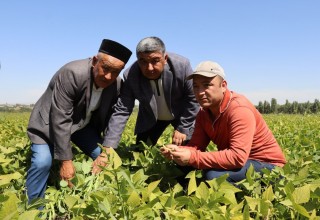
column 158, row 81
column 76, row 106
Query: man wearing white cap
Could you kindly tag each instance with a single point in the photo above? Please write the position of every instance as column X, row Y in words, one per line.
column 230, row 121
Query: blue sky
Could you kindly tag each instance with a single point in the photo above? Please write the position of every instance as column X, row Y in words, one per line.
column 269, row 49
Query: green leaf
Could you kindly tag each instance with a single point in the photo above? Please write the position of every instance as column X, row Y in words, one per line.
column 301, row 194
column 177, row 188
column 134, row 199
column 228, row 187
column 304, row 172
column 170, row 202
column 265, row 206
column 152, row 186
column 31, row 214
column 287, row 203
column 63, row 183
column 300, row 209
column 192, row 186
column 289, row 189
column 5, row 179
column 126, row 177
column 86, row 167
column 230, row 197
column 152, row 196
column 4, row 160
column 252, row 202
column 9, row 208
column 246, row 213
column 250, row 175
column 236, row 208
column 70, row 201
column 202, row 191
column 116, row 160
column 268, row 194
column 139, row 177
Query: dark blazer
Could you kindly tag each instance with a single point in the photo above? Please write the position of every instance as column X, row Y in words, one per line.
column 178, row 94
column 61, row 110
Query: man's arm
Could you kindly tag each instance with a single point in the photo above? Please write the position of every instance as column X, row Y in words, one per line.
column 120, row 115
column 191, row 107
column 62, row 102
column 242, row 127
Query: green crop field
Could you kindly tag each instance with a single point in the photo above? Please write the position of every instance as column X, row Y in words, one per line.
column 142, row 185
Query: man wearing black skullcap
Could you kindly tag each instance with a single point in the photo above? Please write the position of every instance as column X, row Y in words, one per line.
column 76, row 106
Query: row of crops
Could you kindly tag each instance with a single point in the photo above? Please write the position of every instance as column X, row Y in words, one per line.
column 142, row 184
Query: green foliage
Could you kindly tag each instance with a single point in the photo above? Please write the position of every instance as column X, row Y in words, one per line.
column 139, row 183
column 289, row 108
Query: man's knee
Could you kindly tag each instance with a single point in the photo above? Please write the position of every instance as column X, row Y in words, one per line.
column 212, row 174
column 42, row 162
column 95, row 153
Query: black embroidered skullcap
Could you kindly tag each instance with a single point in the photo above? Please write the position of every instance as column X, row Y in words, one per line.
column 115, row 49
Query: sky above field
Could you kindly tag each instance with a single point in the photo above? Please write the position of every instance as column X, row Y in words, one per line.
column 268, row 49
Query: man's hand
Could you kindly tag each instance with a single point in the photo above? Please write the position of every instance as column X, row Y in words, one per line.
column 100, row 161
column 178, row 138
column 167, row 149
column 181, row 156
column 67, row 171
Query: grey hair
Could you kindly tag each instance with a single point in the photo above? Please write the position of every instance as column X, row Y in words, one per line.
column 150, row 44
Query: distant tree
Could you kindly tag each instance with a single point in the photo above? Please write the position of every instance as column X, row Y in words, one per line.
column 294, row 108
column 266, row 107
column 260, row 107
column 274, row 106
column 287, row 107
column 315, row 108
column 301, row 108
column 307, row 108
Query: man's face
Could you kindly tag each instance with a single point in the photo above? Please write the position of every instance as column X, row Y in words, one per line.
column 106, row 69
column 209, row 91
column 152, row 64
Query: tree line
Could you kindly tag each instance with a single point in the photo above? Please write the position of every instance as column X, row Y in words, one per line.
column 263, row 107
column 288, row 108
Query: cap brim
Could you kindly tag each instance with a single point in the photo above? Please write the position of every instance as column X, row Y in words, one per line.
column 206, row 74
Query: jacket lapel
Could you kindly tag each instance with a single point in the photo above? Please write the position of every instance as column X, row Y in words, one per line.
column 167, row 78
column 148, row 94
column 89, row 85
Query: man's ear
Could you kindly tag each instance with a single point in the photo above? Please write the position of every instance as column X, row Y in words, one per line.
column 166, row 57
column 94, row 60
column 224, row 85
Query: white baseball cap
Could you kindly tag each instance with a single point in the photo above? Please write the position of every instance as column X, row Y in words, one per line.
column 208, row 69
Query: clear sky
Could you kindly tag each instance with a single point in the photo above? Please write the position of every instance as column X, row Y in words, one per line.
column 268, row 49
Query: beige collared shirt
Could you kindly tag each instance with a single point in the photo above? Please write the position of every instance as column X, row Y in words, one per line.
column 162, row 106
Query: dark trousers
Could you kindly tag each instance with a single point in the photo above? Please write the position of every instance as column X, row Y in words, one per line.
column 152, row 135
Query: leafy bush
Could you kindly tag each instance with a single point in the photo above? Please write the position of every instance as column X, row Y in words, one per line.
column 140, row 184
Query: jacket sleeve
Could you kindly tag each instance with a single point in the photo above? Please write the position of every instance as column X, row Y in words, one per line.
column 120, row 116
column 191, row 106
column 63, row 97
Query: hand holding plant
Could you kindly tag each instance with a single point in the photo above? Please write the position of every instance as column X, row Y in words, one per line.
column 100, row 161
column 166, row 150
column 67, row 171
